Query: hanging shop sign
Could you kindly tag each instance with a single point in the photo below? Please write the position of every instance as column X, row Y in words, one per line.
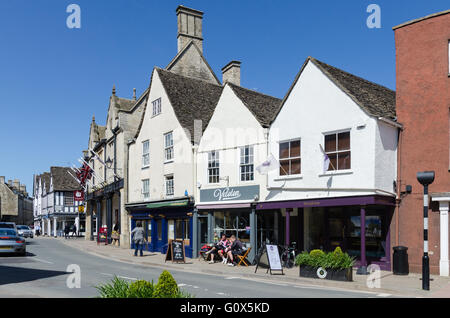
column 230, row 194
column 78, row 195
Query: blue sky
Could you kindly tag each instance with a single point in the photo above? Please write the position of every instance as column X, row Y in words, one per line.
column 53, row 79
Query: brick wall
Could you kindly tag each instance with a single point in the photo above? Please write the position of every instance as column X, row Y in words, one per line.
column 423, row 104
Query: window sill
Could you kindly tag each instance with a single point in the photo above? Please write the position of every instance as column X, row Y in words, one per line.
column 146, row 167
column 293, row 177
column 336, row 173
column 168, row 161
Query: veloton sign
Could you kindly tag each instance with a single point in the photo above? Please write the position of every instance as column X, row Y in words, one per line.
column 229, row 194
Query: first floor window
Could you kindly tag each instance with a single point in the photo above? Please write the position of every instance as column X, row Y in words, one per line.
column 246, row 163
column 213, row 167
column 169, row 186
column 146, row 189
column 337, row 147
column 290, row 161
column 68, row 199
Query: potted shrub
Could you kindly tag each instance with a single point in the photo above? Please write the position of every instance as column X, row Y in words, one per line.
column 318, row 264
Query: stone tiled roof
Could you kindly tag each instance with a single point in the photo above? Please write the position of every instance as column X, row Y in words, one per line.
column 375, row 99
column 62, row 181
column 192, row 99
column 263, row 107
column 123, row 103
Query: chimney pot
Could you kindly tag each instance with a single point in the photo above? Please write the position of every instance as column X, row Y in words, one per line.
column 232, row 73
column 2, row 180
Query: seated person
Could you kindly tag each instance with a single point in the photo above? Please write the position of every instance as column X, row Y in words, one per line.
column 218, row 249
column 236, row 248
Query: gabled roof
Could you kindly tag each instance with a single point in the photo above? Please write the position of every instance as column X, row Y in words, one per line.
column 62, row 181
column 123, row 103
column 192, row 99
column 183, row 51
column 374, row 99
column 45, row 181
column 263, row 107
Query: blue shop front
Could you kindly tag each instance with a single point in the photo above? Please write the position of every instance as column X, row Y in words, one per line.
column 163, row 221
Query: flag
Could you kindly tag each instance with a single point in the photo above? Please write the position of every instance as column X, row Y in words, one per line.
column 270, row 164
column 326, row 160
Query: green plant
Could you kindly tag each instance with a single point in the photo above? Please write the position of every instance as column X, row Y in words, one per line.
column 141, row 289
column 118, row 288
column 167, row 286
column 332, row 260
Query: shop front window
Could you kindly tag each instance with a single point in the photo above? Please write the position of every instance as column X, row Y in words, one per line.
column 328, row 228
column 233, row 223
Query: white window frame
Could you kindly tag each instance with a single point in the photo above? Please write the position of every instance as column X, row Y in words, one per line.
column 337, row 132
column 243, row 163
column 169, row 185
column 288, row 174
column 156, row 105
column 210, row 170
column 146, row 189
column 146, row 154
column 168, row 147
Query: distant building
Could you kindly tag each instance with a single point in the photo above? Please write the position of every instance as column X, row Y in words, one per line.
column 54, row 201
column 15, row 204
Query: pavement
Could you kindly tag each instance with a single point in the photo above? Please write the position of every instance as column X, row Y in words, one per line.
column 385, row 284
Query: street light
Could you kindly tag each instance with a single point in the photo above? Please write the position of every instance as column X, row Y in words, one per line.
column 425, row 178
column 109, row 163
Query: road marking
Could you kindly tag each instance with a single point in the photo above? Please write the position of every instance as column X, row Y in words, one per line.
column 231, row 277
column 383, row 295
column 42, row 260
column 181, row 285
column 130, row 278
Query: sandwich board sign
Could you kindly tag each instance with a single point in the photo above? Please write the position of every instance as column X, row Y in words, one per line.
column 175, row 251
column 271, row 254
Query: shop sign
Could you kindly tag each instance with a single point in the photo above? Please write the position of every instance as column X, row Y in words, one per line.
column 229, row 194
column 78, row 195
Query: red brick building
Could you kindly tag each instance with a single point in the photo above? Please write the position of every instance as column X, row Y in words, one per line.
column 423, row 108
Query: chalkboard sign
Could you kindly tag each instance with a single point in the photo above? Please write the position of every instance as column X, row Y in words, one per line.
column 270, row 256
column 175, row 251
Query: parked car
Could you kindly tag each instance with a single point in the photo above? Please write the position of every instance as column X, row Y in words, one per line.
column 25, row 231
column 8, row 225
column 11, row 242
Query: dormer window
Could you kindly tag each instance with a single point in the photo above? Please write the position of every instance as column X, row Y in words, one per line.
column 156, row 107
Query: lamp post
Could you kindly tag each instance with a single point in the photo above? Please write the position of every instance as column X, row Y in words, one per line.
column 425, row 178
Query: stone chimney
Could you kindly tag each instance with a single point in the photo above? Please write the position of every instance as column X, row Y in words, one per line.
column 189, row 27
column 16, row 184
column 2, row 180
column 232, row 73
column 10, row 183
column 23, row 188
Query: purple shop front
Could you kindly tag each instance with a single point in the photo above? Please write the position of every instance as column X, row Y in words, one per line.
column 327, row 223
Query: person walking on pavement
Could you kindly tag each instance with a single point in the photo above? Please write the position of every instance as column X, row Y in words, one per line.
column 66, row 231
column 138, row 238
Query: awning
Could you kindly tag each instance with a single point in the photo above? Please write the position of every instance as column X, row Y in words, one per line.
column 328, row 202
column 224, row 206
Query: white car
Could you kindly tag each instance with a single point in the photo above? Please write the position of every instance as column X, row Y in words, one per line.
column 24, row 231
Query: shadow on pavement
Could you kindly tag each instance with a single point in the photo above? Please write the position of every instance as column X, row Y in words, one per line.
column 10, row 275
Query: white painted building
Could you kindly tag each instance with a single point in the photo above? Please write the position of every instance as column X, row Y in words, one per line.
column 353, row 120
column 232, row 146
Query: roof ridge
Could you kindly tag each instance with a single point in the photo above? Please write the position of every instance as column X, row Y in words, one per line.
column 188, row 77
column 253, row 91
column 351, row 74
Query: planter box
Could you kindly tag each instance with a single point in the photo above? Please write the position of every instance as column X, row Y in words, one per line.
column 345, row 275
